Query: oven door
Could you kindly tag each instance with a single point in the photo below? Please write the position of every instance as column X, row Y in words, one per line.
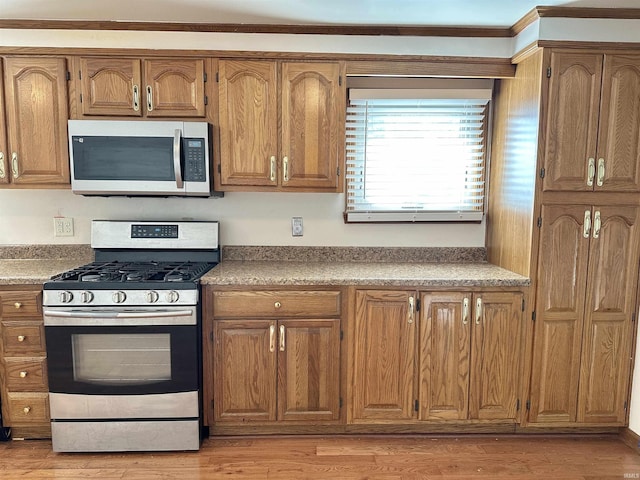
column 128, row 352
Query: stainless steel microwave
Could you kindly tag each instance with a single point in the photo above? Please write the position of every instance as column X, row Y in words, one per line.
column 146, row 158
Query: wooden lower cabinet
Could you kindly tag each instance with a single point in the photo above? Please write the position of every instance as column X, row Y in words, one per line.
column 456, row 359
column 268, row 369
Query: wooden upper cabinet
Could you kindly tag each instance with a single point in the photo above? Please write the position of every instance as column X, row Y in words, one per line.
column 36, row 109
column 592, row 131
column 142, row 87
column 384, row 355
column 281, row 125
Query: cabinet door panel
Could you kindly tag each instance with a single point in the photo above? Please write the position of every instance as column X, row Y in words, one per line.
column 619, row 138
column 384, row 353
column 176, row 86
column 572, row 122
column 37, row 114
column 4, row 151
column 309, row 370
column 495, row 356
column 610, row 304
column 445, row 335
column 111, row 86
column 244, row 371
column 248, row 122
column 313, row 105
column 562, row 274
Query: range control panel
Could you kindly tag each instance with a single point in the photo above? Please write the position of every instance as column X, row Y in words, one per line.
column 154, row 231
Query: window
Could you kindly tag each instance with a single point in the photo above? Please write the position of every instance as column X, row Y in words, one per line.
column 417, row 155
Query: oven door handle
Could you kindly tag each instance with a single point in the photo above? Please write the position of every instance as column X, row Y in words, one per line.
column 176, row 158
column 158, row 317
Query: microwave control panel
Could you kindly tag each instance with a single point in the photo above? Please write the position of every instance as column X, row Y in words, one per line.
column 194, row 160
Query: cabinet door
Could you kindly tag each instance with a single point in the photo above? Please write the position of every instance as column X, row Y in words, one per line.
column 572, row 121
column 309, row 370
column 618, row 159
column 384, row 353
column 495, row 356
column 37, row 114
column 562, row 276
column 111, row 86
column 445, row 340
column 174, row 88
column 610, row 304
column 4, row 152
column 244, row 368
column 248, row 105
column 313, row 109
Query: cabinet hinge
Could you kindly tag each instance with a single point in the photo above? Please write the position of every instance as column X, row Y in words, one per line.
column 205, row 77
column 517, row 405
column 528, row 404
column 539, row 222
column 217, row 77
column 340, row 80
column 338, row 171
column 416, row 405
column 80, row 74
column 206, row 100
column 533, row 315
column 340, row 402
column 523, row 304
column 219, row 169
column 633, row 318
column 341, row 335
column 211, row 404
column 418, row 305
column 80, row 98
column 548, row 72
column 68, row 76
column 625, row 406
column 542, row 172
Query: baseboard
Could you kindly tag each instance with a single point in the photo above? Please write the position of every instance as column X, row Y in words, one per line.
column 630, row 438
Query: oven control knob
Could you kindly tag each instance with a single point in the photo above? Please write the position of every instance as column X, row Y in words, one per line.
column 152, row 296
column 65, row 297
column 172, row 296
column 119, row 296
column 86, row 297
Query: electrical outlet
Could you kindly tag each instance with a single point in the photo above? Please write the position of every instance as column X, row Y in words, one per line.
column 296, row 226
column 62, row 227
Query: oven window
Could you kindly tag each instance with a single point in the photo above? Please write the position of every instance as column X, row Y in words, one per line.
column 121, row 359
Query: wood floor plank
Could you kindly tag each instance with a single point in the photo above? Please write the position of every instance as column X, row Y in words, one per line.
column 358, row 457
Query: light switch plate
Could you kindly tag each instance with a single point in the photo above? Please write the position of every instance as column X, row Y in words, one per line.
column 296, row 226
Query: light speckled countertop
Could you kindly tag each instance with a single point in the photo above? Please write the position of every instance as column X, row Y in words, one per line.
column 357, row 273
column 33, row 271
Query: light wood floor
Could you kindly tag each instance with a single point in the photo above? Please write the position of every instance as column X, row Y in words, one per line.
column 340, row 457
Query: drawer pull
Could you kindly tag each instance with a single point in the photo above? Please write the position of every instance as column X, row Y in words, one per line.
column 277, row 304
column 21, row 338
column 282, row 333
column 17, row 305
column 23, row 374
column 26, row 410
column 272, row 338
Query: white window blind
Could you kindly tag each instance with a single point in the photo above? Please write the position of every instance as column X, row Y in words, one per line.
column 416, row 154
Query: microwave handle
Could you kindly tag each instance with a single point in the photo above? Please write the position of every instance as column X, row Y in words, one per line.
column 176, row 157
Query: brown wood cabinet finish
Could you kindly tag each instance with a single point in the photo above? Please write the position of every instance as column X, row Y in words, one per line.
column 157, row 87
column 36, row 113
column 587, row 280
column 593, row 132
column 281, row 125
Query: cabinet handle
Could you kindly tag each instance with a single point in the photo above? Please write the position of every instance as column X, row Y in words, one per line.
column 591, row 171
column 586, row 229
column 149, row 99
column 272, row 338
column 26, row 410
column 597, row 223
column 277, row 304
column 478, row 310
column 411, row 310
column 285, row 168
column 24, row 374
column 14, row 165
column 272, row 174
column 600, row 179
column 282, row 338
column 136, row 98
column 21, row 338
column 17, row 305
column 465, row 311
column 3, row 174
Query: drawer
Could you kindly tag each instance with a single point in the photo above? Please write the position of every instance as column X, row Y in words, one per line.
column 28, row 408
column 274, row 303
column 26, row 374
column 21, row 304
column 22, row 337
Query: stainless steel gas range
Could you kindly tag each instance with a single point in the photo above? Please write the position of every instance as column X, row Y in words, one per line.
column 123, row 339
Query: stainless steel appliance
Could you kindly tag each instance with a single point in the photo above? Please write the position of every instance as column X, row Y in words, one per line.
column 111, row 157
column 123, row 339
